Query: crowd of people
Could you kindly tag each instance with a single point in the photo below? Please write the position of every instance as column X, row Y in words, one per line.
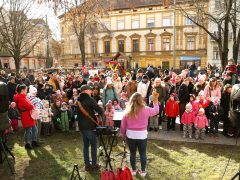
column 55, row 100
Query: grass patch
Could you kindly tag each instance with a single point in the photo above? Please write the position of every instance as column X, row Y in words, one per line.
column 166, row 160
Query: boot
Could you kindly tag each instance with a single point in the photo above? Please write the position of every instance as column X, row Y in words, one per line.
column 28, row 146
column 35, row 144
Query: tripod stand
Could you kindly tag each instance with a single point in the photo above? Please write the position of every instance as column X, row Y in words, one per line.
column 236, row 175
column 4, row 151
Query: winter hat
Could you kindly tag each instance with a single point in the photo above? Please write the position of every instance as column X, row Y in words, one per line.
column 12, row 104
column 202, row 110
column 32, row 90
column 64, row 103
column 109, row 104
column 189, row 107
column 201, row 93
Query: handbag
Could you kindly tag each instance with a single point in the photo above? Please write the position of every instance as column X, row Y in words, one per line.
column 107, row 175
column 124, row 174
column 87, row 114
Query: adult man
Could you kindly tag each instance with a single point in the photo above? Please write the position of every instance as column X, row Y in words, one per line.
column 24, row 80
column 183, row 96
column 2, row 78
column 86, row 125
column 176, row 86
column 79, row 81
column 144, row 88
column 11, row 88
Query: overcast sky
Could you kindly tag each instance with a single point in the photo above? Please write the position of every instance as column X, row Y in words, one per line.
column 41, row 11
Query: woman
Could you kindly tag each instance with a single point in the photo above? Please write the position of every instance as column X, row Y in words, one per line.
column 131, row 86
column 134, row 128
column 212, row 90
column 29, row 124
column 225, row 102
column 109, row 92
column 117, row 83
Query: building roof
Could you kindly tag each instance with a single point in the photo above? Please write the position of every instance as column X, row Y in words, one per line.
column 131, row 4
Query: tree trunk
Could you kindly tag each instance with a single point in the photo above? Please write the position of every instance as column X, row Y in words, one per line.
column 235, row 52
column 17, row 64
column 82, row 48
column 225, row 43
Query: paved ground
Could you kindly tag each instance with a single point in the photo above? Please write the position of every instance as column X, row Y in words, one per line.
column 177, row 136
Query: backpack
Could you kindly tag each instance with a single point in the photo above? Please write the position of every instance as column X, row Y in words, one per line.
column 107, row 175
column 124, row 174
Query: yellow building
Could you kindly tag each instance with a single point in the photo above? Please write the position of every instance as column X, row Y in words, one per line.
column 144, row 32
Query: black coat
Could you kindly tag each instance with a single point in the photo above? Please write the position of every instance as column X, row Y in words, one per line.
column 183, row 93
column 91, row 106
column 11, row 90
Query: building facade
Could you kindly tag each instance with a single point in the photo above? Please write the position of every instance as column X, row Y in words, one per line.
column 144, row 33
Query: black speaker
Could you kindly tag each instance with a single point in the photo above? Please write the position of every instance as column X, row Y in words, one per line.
column 234, row 113
column 4, row 103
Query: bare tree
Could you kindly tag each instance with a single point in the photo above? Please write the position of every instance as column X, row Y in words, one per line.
column 18, row 33
column 220, row 18
column 83, row 18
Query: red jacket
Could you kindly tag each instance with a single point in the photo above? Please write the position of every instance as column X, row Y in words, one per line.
column 172, row 108
column 201, row 121
column 24, row 107
column 188, row 118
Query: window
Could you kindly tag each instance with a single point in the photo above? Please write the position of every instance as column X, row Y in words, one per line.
column 150, row 22
column 135, row 23
column 190, row 43
column 94, row 47
column 135, row 45
column 120, row 45
column 166, row 22
column 166, row 44
column 188, row 20
column 107, row 25
column 120, row 24
column 151, row 44
column 215, row 53
column 107, row 46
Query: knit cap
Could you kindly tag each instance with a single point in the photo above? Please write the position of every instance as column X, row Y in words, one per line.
column 201, row 110
column 32, row 90
column 189, row 107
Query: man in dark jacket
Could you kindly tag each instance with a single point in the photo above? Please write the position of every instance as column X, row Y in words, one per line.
column 183, row 96
column 24, row 80
column 11, row 88
column 86, row 125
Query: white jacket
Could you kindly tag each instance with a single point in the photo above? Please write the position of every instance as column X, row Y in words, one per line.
column 143, row 88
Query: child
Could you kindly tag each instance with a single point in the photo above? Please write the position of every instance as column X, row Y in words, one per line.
column 116, row 105
column 46, row 118
column 214, row 115
column 172, row 111
column 200, row 123
column 188, row 118
column 153, row 124
column 65, row 117
column 14, row 116
column 123, row 100
column 109, row 113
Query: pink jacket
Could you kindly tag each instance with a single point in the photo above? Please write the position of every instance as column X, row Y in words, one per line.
column 188, row 118
column 140, row 122
column 195, row 107
column 109, row 115
column 201, row 121
column 212, row 93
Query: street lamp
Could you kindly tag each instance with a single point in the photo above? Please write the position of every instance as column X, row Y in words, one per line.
column 174, row 35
